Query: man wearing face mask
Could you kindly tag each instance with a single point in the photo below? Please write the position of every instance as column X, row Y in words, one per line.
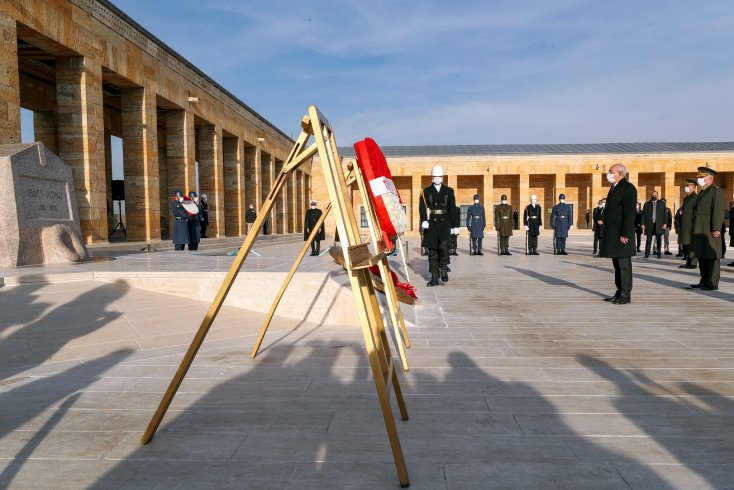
column 438, row 222
column 561, row 222
column 475, row 223
column 181, row 224
column 708, row 218
column 503, row 225
column 617, row 242
column 686, row 224
column 598, row 225
column 533, row 220
column 250, row 217
column 653, row 223
column 312, row 218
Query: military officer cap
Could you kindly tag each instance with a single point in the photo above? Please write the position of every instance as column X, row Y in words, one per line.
column 691, row 181
column 504, row 197
column 313, row 202
column 177, row 193
column 476, row 196
column 562, row 196
column 704, row 171
column 192, row 194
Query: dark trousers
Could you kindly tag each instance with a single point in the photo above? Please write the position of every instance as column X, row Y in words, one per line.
column 315, row 247
column 476, row 245
column 179, row 246
column 710, row 272
column 638, row 232
column 690, row 259
column 504, row 241
column 623, row 275
column 648, row 242
column 438, row 257
column 203, row 228
column 193, row 246
column 596, row 241
column 532, row 243
column 560, row 244
column 454, row 242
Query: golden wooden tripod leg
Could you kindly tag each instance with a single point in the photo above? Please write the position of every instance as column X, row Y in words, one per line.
column 287, row 281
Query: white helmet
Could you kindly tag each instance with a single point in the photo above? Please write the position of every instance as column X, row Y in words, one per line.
column 437, row 171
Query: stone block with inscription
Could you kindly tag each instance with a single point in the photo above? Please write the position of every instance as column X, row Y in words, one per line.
column 39, row 221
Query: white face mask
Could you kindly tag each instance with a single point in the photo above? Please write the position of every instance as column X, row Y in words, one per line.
column 476, row 201
column 437, row 180
column 534, row 201
column 701, row 181
column 563, row 201
column 601, row 206
column 610, row 177
column 687, row 189
column 504, row 201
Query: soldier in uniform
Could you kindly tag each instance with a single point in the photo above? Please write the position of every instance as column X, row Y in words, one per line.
column 475, row 223
column 180, row 225
column 618, row 242
column 598, row 225
column 194, row 224
column 533, row 221
column 204, row 206
column 503, row 225
column 436, row 207
column 250, row 217
column 312, row 218
column 686, row 224
column 653, row 223
column 561, row 222
column 708, row 218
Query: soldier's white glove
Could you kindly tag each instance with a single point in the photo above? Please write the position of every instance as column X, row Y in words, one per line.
column 527, row 228
column 424, row 225
column 570, row 227
column 454, row 231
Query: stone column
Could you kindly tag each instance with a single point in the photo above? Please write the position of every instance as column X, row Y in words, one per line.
column 453, row 181
column 108, row 178
column 253, row 179
column 524, row 194
column 140, row 157
column 80, row 119
column 416, row 186
column 300, row 201
column 290, row 204
column 164, row 194
column 9, row 83
column 180, row 155
column 234, row 187
column 280, row 202
column 633, row 177
column 598, row 191
column 669, row 190
column 211, row 176
column 44, row 129
column 488, row 198
column 270, row 162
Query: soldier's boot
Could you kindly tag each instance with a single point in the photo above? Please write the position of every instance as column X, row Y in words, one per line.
column 507, row 251
column 434, row 280
column 445, row 273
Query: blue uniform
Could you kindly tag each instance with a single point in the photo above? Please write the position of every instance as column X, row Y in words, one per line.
column 561, row 221
column 475, row 222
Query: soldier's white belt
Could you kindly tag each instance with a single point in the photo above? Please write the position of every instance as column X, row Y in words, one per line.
column 438, row 211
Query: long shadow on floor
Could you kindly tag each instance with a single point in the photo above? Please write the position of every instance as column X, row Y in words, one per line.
column 553, row 281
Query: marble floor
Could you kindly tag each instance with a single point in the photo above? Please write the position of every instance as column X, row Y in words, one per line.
column 520, row 377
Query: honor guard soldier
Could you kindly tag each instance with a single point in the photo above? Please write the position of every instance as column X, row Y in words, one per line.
column 503, row 225
column 708, row 218
column 180, row 225
column 437, row 221
column 195, row 230
column 561, row 222
column 475, row 222
column 686, row 224
column 312, row 217
column 533, row 221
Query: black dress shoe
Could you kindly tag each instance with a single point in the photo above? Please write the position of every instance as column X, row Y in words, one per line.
column 668, row 253
column 622, row 301
column 613, row 298
column 647, row 256
column 730, row 264
column 695, row 286
column 479, row 253
column 659, row 256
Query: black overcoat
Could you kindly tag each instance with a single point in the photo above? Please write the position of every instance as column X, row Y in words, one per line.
column 180, row 225
column 619, row 221
column 312, row 217
column 708, row 216
column 533, row 219
column 686, row 222
column 660, row 218
column 441, row 222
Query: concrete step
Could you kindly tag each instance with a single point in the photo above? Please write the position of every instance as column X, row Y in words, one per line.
column 100, row 249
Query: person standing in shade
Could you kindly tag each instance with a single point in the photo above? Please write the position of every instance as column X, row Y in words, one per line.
column 617, row 242
column 194, row 224
column 598, row 225
column 653, row 223
column 454, row 245
column 668, row 225
column 475, row 222
column 677, row 221
column 533, row 221
column 515, row 219
column 686, row 224
column 437, row 203
column 503, row 225
column 561, row 222
column 204, row 205
column 638, row 225
column 180, row 225
column 731, row 229
column 312, row 218
column 708, row 218
column 250, row 217
column 587, row 217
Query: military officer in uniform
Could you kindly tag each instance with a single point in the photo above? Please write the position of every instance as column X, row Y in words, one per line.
column 618, row 241
column 312, row 218
column 436, row 207
column 475, row 223
column 598, row 225
column 708, row 218
column 194, row 224
column 686, row 225
column 561, row 222
column 181, row 219
column 503, row 225
column 533, row 221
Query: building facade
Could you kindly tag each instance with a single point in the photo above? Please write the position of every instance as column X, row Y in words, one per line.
column 88, row 72
column 519, row 171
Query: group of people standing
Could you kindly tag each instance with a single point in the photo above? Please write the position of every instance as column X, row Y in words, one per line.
column 191, row 217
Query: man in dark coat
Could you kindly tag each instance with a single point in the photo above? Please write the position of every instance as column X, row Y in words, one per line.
column 618, row 241
column 686, row 224
column 708, row 218
column 515, row 219
column 653, row 223
column 668, row 226
column 181, row 219
column 533, row 221
column 194, row 224
column 476, row 220
column 250, row 217
column 503, row 225
column 561, row 221
column 437, row 203
column 598, row 225
column 204, row 206
column 312, row 218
